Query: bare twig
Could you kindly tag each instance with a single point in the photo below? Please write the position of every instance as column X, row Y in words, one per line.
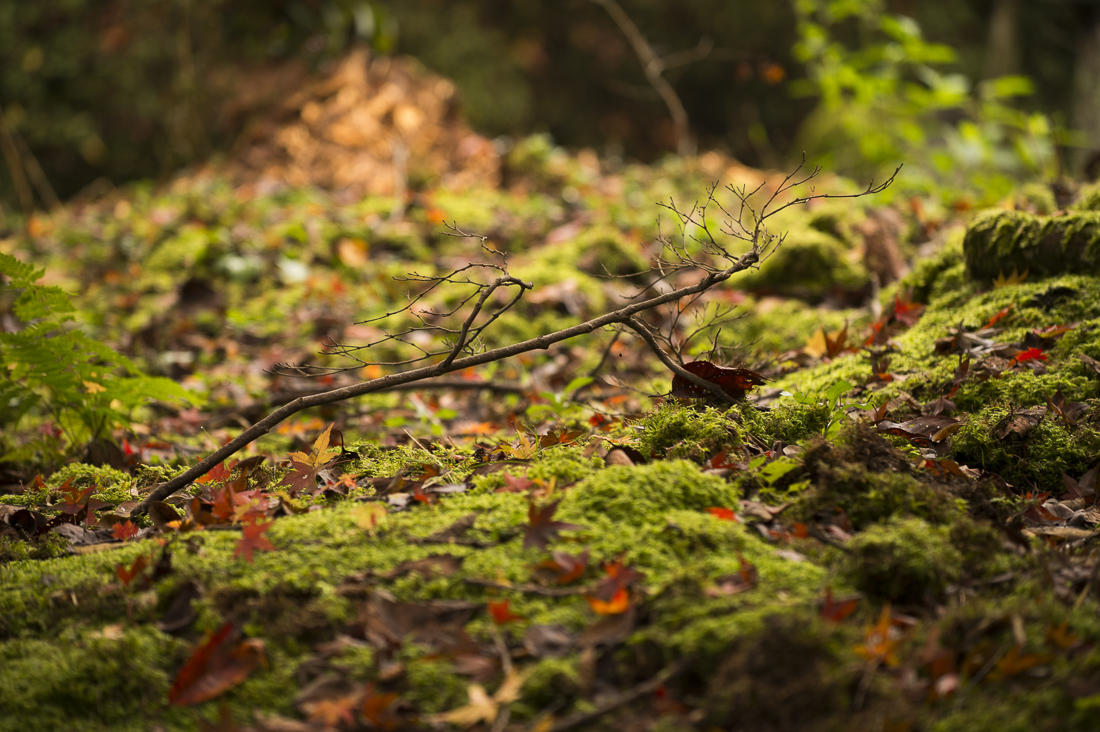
column 646, row 687
column 466, row 336
column 654, row 67
column 15, row 167
column 533, row 589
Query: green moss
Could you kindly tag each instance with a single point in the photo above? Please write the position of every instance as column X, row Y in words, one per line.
column 998, row 242
column 552, row 680
column 942, row 275
column 1088, row 199
column 1035, row 461
column 811, row 265
column 87, row 682
column 870, row 481
column 776, row 325
column 678, row 431
column 788, row 421
column 903, row 560
column 46, row 546
column 434, row 686
column 111, row 485
column 563, row 465
column 643, row 494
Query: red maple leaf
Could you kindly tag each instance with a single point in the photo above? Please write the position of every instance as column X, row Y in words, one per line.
column 568, row 567
column 252, row 537
column 723, row 514
column 997, row 317
column 835, row 612
column 513, row 484
column 219, row 664
column 125, row 530
column 619, row 577
column 618, row 604
column 126, row 574
column 78, row 500
column 376, row 707
column 542, row 529
column 734, row 382
column 906, row 311
column 217, row 474
column 501, row 614
column 1031, row 354
column 880, row 334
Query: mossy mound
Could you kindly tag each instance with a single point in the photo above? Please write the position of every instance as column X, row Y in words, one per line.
column 811, row 264
column 794, row 675
column 999, row 243
column 903, row 560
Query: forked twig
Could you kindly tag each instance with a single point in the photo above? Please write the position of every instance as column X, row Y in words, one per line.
column 484, row 313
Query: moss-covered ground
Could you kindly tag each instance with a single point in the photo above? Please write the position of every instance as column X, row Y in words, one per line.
column 894, row 533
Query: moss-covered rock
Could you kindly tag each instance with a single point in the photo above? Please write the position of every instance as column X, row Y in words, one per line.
column 646, row 493
column 902, row 560
column 998, row 243
column 679, row 431
column 810, row 264
column 790, row 676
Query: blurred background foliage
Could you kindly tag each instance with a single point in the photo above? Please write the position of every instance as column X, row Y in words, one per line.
column 969, row 93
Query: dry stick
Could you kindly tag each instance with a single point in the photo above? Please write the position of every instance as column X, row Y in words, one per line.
column 646, row 687
column 35, row 172
column 15, row 167
column 638, row 327
column 623, row 316
column 653, row 67
column 542, row 342
column 533, row 589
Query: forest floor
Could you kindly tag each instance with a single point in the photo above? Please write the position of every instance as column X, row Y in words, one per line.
column 896, row 531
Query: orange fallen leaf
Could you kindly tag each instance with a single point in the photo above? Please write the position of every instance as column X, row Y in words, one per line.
column 126, row 576
column 253, row 539
column 619, row 603
column 501, row 613
column 723, row 514
column 216, row 666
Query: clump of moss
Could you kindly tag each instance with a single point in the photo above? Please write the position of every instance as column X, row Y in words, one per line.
column 563, row 465
column 643, row 494
column 810, row 264
column 790, row 676
column 788, row 421
column 904, row 560
column 942, row 275
column 60, row 685
column 676, row 431
column 998, row 242
column 1088, row 199
column 871, row 481
column 46, row 546
column 1035, row 460
column 110, row 484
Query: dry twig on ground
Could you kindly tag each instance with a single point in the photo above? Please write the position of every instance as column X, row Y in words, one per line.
column 697, row 249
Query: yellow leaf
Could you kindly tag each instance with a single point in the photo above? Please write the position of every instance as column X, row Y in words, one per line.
column 1013, row 279
column 817, row 346
column 94, row 388
column 321, row 444
column 510, row 687
column 369, row 516
column 482, row 707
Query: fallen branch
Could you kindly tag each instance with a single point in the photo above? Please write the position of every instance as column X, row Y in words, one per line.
column 265, row 425
column 533, row 589
column 754, row 232
column 640, row 690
